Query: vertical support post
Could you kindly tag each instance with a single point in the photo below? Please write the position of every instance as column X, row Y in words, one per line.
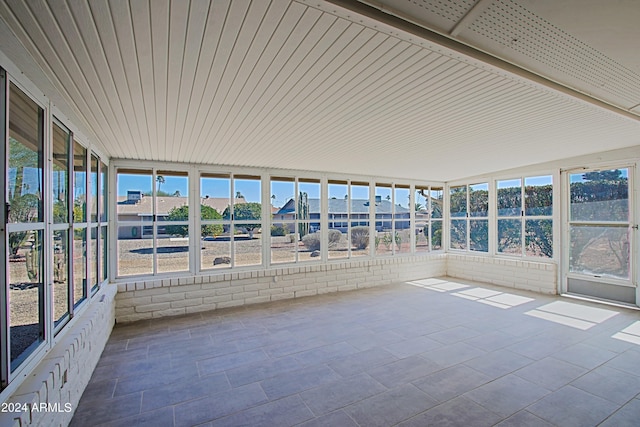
column 4, row 300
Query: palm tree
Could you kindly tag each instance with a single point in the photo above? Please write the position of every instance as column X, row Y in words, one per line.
column 160, row 180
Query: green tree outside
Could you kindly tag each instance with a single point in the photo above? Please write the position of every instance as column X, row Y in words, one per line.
column 182, row 214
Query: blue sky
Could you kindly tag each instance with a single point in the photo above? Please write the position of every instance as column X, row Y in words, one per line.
column 284, row 190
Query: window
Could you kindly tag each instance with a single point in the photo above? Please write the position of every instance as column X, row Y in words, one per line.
column 231, row 227
column 48, row 186
column 428, row 217
column 348, row 209
column 458, row 213
column 402, row 219
column 171, row 228
column 393, row 219
column 80, row 279
column 358, row 233
column 25, row 228
column 246, row 220
column 62, row 290
column 469, row 210
column 338, row 225
column 524, row 212
column 215, row 236
column 295, row 225
column 153, row 221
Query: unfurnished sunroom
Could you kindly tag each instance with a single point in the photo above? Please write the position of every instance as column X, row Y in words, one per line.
column 166, row 158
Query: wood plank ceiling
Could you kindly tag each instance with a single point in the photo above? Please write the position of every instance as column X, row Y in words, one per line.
column 304, row 84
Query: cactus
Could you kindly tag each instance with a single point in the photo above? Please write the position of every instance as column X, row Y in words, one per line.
column 32, row 260
column 303, row 215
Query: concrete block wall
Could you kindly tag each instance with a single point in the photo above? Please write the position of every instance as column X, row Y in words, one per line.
column 527, row 275
column 169, row 297
column 55, row 386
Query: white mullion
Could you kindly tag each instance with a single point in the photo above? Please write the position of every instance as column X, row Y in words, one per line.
column 296, row 215
column 349, row 196
column 232, row 219
column 154, row 222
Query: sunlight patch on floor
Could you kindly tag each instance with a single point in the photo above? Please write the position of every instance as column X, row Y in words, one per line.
column 573, row 315
column 493, row 298
column 437, row 285
column 629, row 334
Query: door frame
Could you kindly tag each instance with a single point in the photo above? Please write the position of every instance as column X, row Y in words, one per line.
column 633, row 236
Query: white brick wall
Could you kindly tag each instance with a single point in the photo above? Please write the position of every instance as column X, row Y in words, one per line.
column 170, row 297
column 61, row 377
column 528, row 275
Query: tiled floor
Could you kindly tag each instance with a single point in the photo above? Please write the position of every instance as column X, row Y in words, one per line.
column 433, row 352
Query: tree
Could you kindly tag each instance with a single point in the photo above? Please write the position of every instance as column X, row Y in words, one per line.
column 160, row 179
column 24, row 209
column 610, row 175
column 182, row 214
column 250, row 211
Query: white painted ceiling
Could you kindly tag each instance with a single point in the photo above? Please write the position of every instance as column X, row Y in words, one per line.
column 335, row 87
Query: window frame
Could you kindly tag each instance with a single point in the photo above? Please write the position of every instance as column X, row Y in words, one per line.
column 523, row 217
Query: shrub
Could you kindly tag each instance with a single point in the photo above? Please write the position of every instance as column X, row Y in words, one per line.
column 311, row 241
column 334, row 237
column 360, row 237
column 279, row 230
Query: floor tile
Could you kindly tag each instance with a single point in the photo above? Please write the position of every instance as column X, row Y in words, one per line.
column 453, row 354
column 338, row 394
column 378, row 356
column 262, row 370
column 219, row 405
column 337, row 419
column 296, row 381
column 551, row 373
column 282, row 413
column 182, row 391
column 162, row 417
column 361, row 361
column 151, row 380
column 627, row 416
column 229, row 361
column 507, row 395
column 324, row 354
column 454, row 335
column 391, row 407
column 584, row 355
column 412, row 346
column 89, row 412
column 451, row 382
column 524, row 419
column 608, row 383
column 585, row 408
column 458, row 412
column 403, row 371
column 627, row 362
column 499, row 363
